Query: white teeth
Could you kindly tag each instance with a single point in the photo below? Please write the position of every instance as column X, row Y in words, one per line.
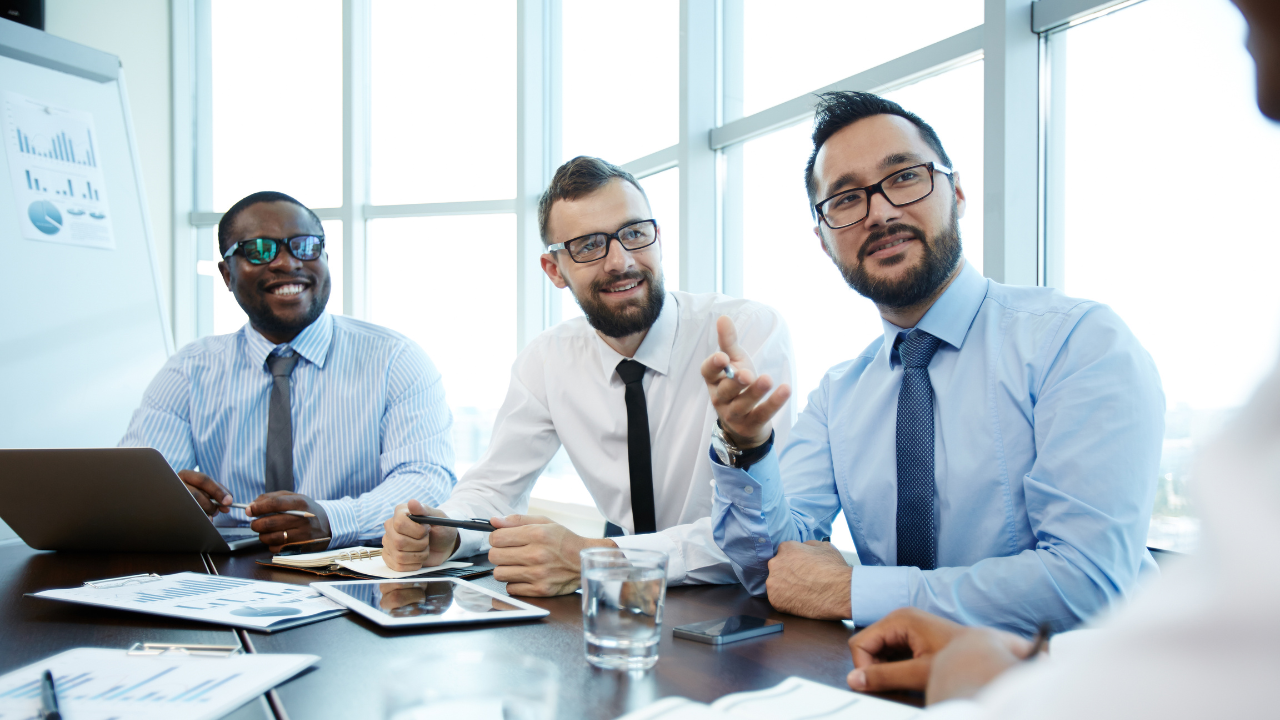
column 895, row 243
column 624, row 288
column 287, row 290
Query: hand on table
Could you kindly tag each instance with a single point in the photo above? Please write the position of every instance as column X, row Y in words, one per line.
column 902, row 652
column 275, row 531
column 407, row 545
column 810, row 580
column 537, row 557
column 203, row 488
column 746, row 421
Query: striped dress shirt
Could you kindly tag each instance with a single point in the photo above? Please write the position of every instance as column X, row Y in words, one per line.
column 370, row 424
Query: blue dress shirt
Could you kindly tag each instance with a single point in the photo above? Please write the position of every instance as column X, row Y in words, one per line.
column 371, row 428
column 1049, row 416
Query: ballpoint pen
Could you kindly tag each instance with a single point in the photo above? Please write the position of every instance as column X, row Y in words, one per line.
column 48, row 698
column 245, row 506
column 1038, row 643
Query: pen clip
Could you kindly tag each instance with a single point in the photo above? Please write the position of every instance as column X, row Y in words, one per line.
column 122, row 581
column 193, row 650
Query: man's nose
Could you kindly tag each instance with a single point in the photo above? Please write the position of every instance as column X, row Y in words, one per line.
column 880, row 211
column 284, row 261
column 619, row 259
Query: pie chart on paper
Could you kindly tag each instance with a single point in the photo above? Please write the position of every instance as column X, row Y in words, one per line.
column 45, row 216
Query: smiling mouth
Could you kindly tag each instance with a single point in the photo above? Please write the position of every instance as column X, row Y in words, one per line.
column 287, row 290
column 621, row 288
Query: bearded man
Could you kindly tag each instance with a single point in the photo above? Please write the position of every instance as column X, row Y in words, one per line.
column 620, row 388
column 299, row 409
column 995, row 452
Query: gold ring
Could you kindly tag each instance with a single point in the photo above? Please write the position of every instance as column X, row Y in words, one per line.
column 286, row 534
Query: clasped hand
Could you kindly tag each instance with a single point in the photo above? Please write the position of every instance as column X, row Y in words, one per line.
column 274, row 529
column 745, row 412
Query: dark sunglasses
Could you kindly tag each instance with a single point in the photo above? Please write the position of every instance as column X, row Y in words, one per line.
column 260, row 251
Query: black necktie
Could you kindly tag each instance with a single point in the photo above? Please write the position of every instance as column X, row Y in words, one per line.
column 917, row 536
column 638, row 458
column 279, row 465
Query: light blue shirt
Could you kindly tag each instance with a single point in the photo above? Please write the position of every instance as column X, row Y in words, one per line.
column 1048, row 421
column 370, row 425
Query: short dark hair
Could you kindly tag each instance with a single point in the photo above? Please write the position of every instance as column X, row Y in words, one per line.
column 229, row 217
column 838, row 110
column 580, row 176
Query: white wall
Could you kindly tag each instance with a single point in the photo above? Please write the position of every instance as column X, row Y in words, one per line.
column 137, row 31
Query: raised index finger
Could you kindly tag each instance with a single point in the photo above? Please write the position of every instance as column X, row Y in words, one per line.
column 728, row 338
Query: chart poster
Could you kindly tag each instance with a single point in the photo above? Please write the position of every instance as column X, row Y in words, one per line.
column 57, row 176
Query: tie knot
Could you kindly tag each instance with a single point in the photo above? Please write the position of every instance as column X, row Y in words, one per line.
column 631, row 371
column 916, row 350
column 280, row 365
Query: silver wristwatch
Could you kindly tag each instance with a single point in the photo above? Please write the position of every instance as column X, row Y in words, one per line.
column 725, row 450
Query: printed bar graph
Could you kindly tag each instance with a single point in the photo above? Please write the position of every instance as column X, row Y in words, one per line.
column 60, row 147
column 190, row 588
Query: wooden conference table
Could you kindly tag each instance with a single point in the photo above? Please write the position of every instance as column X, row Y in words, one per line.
column 354, row 651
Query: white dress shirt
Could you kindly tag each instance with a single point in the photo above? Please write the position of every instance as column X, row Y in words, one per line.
column 565, row 389
column 1202, row 641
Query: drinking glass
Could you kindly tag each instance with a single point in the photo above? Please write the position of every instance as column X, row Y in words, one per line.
column 475, row 686
column 622, row 598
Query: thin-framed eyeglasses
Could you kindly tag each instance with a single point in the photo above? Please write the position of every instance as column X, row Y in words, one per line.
column 260, row 251
column 903, row 187
column 589, row 248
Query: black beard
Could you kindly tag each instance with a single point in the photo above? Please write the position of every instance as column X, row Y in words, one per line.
column 630, row 319
column 268, row 323
column 941, row 256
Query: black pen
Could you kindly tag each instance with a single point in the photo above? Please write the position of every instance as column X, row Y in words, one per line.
column 1037, row 644
column 472, row 524
column 48, row 698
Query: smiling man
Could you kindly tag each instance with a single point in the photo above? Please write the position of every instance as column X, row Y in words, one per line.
column 620, row 389
column 995, row 451
column 299, row 409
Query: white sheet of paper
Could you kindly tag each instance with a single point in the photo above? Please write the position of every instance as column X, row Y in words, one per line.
column 102, row 683
column 377, row 567
column 791, row 699
column 209, row 598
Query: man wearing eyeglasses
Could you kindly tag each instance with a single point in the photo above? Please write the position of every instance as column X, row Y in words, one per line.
column 995, row 452
column 299, row 409
column 620, row 389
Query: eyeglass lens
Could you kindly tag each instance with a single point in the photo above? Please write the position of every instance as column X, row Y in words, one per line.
column 261, row 251
column 901, row 188
column 632, row 237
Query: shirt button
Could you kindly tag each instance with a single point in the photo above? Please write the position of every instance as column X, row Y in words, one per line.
column 713, row 483
column 747, row 489
column 760, row 539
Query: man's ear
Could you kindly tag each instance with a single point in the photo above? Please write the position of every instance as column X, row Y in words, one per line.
column 817, row 230
column 226, row 273
column 552, row 270
column 959, row 193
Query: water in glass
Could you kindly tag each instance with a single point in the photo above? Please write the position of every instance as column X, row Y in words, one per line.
column 622, row 599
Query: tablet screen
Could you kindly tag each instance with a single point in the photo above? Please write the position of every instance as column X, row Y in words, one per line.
column 441, row 598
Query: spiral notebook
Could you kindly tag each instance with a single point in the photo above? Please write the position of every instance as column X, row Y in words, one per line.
column 366, row 563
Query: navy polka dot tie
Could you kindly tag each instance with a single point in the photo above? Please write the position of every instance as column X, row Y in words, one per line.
column 917, row 537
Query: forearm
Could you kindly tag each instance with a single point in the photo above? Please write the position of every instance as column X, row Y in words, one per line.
column 693, row 556
column 354, row 520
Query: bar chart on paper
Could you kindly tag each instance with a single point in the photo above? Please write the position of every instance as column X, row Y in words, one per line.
column 54, row 165
column 101, row 683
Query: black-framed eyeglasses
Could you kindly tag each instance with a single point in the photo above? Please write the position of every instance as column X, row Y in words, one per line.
column 260, row 251
column 903, row 187
column 590, row 248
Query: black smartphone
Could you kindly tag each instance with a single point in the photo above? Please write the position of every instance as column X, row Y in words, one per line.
column 727, row 630
column 473, row 524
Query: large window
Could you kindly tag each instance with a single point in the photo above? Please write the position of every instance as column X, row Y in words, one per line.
column 1155, row 142
column 427, row 174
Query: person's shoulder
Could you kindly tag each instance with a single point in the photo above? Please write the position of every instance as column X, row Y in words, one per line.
column 566, row 336
column 1053, row 315
column 1036, row 300
column 367, row 331
column 209, row 348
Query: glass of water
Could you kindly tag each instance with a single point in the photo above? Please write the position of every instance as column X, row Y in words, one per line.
column 622, row 598
column 476, row 686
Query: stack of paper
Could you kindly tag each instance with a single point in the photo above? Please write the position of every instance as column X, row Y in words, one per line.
column 792, row 699
column 366, row 561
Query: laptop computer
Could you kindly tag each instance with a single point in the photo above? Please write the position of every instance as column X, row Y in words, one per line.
column 107, row 500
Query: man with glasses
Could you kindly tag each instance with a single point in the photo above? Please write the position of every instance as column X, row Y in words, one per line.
column 620, row 389
column 995, row 452
column 299, row 409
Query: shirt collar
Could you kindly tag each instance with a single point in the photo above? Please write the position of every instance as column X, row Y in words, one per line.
column 951, row 315
column 312, row 343
column 655, row 350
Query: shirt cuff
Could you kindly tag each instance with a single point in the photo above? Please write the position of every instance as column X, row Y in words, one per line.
column 676, row 570
column 344, row 531
column 877, row 590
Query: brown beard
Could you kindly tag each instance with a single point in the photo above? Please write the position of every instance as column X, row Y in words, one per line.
column 629, row 319
column 942, row 254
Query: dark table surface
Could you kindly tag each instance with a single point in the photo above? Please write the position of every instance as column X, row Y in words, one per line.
column 33, row 628
column 355, row 652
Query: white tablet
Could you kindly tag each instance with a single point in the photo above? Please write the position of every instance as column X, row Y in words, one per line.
column 437, row 601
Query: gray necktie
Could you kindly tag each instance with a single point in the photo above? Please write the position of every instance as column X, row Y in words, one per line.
column 279, row 468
